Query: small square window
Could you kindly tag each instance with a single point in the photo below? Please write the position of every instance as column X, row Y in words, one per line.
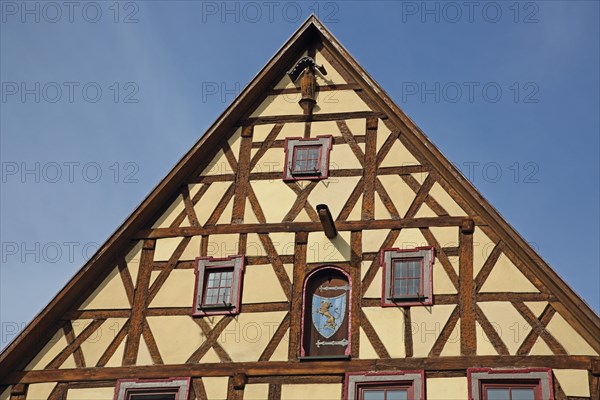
column 307, row 158
column 407, row 277
column 164, row 389
column 218, row 285
column 396, row 385
column 525, row 384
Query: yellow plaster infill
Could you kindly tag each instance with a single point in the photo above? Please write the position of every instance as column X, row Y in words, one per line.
column 275, row 199
column 334, row 192
column 257, row 278
column 38, row 391
column 427, row 324
column 323, row 250
column 95, row 346
column 447, row 388
column 216, row 387
column 105, row 393
column 321, row 391
column 257, row 391
column 110, row 294
column 446, row 201
column 177, row 337
column 401, row 194
column 568, row 337
column 167, row 218
column 573, row 382
column 388, row 322
column 506, row 277
column 508, row 322
column 177, row 290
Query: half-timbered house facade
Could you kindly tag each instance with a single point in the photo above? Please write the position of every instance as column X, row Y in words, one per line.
column 313, row 244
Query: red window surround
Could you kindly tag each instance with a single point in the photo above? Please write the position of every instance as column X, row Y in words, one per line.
column 218, row 288
column 407, row 277
column 385, row 384
column 307, row 158
column 156, row 389
column 510, row 384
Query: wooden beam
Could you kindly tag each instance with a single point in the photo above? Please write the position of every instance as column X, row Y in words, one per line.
column 370, row 167
column 468, row 336
column 315, row 117
column 326, row 221
column 283, row 368
column 241, row 179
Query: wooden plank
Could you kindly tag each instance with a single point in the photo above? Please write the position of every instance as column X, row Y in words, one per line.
column 420, row 197
column 386, row 199
column 242, row 174
column 113, row 346
column 351, row 202
column 466, row 291
column 301, row 200
column 446, row 264
column 266, row 145
column 151, row 344
column 408, row 333
column 355, row 266
column 538, row 329
column 126, row 278
column 349, row 138
column 430, row 201
column 314, row 118
column 488, row 265
column 199, row 389
column 59, row 392
column 189, row 205
column 136, row 324
column 370, row 167
column 70, row 336
column 211, row 340
column 70, row 349
column 274, row 391
column 301, row 240
column 319, row 88
column 185, row 213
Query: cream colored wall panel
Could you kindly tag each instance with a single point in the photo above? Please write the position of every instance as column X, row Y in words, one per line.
column 425, row 212
column 374, row 290
column 334, row 192
column 506, row 277
column 366, row 350
column 216, row 387
column 289, row 269
column 143, row 356
column 323, row 128
column 372, row 239
column 388, row 322
column 256, row 279
column 447, row 388
column 207, row 204
column 381, row 211
column 133, row 260
column 177, row 337
column 192, row 250
column 283, row 242
column 95, row 346
column 69, row 363
column 455, row 260
column 275, row 199
column 402, row 195
column 249, row 215
column 218, row 165
column 364, row 267
column 333, row 77
column 482, row 248
column 225, row 217
column 302, row 217
column 427, row 324
column 507, row 321
column 356, row 213
column 79, row 325
column 254, row 246
column 399, row 156
column 167, row 218
column 153, row 276
column 110, row 294
column 285, row 83
column 220, row 246
column 568, row 337
column 257, row 391
column 117, row 359
column 446, row 236
column 291, row 129
column 245, row 338
column 536, row 307
column 342, row 157
column 383, row 132
column 165, row 248
column 38, row 391
column 272, row 160
column 410, row 238
column 210, row 357
column 484, row 344
column 357, row 126
column 573, row 382
column 281, row 351
column 320, row 391
column 540, row 348
column 5, row 395
column 441, row 282
column 104, row 393
column 452, row 346
column 235, row 141
column 335, row 101
column 446, row 201
column 323, row 250
column 261, row 132
column 177, row 290
column 278, row 105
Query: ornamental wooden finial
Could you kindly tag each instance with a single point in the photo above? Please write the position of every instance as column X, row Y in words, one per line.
column 306, row 67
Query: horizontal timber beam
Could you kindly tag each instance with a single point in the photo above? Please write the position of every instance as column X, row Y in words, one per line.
column 300, row 227
column 282, row 368
column 274, row 119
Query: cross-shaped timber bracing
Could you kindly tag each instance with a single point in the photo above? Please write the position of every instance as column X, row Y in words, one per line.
column 128, row 312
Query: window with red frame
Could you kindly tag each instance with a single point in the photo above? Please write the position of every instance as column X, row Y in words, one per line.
column 161, row 389
column 385, row 392
column 407, row 274
column 510, row 384
column 511, row 391
column 307, row 159
column 218, row 285
column 407, row 277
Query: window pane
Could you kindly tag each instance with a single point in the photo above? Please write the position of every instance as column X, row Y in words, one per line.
column 414, row 286
column 397, row 394
column 414, row 269
column 314, row 153
column 400, row 287
column 373, row 395
column 400, row 270
column 523, row 394
column 497, row 394
column 152, row 396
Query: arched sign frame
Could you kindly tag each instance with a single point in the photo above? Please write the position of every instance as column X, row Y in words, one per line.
column 307, row 279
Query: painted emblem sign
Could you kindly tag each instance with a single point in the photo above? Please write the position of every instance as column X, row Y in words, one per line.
column 328, row 313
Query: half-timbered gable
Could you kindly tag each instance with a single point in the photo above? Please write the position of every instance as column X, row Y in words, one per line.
column 313, row 244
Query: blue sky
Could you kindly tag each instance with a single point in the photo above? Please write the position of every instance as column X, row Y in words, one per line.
column 101, row 100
